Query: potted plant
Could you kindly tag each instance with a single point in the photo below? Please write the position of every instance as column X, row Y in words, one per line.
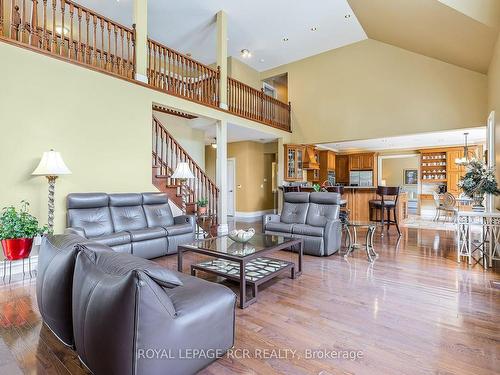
column 202, row 204
column 477, row 181
column 17, row 230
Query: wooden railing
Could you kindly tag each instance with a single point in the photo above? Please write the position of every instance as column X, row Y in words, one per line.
column 67, row 29
column 167, row 154
column 245, row 101
column 181, row 75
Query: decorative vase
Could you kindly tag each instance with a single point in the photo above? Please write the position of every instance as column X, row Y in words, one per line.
column 17, row 248
column 477, row 201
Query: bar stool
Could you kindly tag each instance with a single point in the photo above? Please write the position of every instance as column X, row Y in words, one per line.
column 385, row 206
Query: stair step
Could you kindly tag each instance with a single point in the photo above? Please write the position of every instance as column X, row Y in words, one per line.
column 162, row 176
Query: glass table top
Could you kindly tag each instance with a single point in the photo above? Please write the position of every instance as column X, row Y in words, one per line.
column 225, row 245
column 363, row 223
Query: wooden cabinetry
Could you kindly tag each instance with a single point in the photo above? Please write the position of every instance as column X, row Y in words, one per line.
column 342, row 169
column 326, row 164
column 313, row 175
column 293, row 162
column 359, row 162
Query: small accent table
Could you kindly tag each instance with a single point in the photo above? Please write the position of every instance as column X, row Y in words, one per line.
column 370, row 226
column 485, row 240
column 244, row 263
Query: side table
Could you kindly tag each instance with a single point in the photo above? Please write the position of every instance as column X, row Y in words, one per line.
column 352, row 237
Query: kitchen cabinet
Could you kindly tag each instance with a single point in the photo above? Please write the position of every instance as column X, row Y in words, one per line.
column 359, row 162
column 293, row 162
column 354, row 162
column 313, row 175
column 326, row 164
column 342, row 169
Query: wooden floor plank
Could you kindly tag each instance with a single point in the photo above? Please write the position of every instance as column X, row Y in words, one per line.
column 415, row 310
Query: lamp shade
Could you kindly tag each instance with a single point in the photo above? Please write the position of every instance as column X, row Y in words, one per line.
column 182, row 171
column 51, row 164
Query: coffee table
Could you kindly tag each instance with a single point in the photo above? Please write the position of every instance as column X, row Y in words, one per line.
column 236, row 261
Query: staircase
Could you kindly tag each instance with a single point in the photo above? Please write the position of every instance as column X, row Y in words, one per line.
column 167, row 154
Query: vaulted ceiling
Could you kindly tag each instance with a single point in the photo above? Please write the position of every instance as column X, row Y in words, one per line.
column 460, row 32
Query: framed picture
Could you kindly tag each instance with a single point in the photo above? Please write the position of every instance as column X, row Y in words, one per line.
column 410, row 176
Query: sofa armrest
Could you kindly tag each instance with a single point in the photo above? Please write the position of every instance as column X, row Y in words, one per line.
column 332, row 236
column 269, row 218
column 183, row 219
column 75, row 230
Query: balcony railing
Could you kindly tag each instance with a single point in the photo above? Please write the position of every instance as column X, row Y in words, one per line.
column 70, row 31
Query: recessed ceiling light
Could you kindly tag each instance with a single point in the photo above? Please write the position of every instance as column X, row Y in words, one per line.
column 314, row 28
column 246, row 54
column 60, row 30
column 261, row 60
column 347, row 16
column 285, row 39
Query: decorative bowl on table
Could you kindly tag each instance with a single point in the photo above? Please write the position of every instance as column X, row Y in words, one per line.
column 241, row 236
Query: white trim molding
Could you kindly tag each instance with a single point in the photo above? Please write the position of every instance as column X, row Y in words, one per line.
column 252, row 214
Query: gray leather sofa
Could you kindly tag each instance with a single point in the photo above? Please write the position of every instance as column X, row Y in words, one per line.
column 138, row 224
column 127, row 315
column 314, row 217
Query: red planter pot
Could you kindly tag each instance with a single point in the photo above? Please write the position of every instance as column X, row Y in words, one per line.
column 17, row 248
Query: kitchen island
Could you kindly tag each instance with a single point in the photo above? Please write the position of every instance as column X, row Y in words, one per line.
column 358, row 198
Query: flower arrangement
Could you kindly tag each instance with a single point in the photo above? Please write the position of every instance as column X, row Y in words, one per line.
column 478, row 180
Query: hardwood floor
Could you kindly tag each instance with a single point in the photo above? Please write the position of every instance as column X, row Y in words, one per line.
column 414, row 311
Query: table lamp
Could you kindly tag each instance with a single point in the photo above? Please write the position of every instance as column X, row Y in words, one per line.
column 51, row 166
column 183, row 173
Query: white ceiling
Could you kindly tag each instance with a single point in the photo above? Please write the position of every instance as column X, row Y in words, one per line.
column 235, row 133
column 257, row 25
column 411, row 142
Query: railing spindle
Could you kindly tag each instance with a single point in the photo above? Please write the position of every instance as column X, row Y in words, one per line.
column 63, row 37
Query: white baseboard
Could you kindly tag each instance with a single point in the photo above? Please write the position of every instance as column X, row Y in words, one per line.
column 17, row 266
column 251, row 214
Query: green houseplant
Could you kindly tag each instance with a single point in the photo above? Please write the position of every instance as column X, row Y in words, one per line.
column 17, row 230
column 202, row 204
column 477, row 181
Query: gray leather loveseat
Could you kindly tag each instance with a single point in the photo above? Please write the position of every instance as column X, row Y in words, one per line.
column 128, row 315
column 314, row 217
column 138, row 224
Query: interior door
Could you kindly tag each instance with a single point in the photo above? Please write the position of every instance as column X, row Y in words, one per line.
column 230, row 187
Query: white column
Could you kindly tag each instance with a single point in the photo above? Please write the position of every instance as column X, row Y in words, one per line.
column 221, row 175
column 141, row 39
column 222, row 56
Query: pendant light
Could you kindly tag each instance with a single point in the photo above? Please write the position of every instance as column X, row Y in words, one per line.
column 465, row 159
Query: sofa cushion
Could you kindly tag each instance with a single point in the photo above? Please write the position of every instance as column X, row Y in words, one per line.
column 147, row 234
column 294, row 213
column 157, row 210
column 94, row 221
column 87, row 200
column 319, row 214
column 126, row 212
column 308, row 230
column 54, row 282
column 325, row 198
column 279, row 227
column 113, row 239
column 175, row 230
column 122, row 264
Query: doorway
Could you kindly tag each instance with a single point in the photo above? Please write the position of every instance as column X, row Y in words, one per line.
column 231, row 173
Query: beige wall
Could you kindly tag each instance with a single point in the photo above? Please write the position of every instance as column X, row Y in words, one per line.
column 253, row 173
column 191, row 139
column 243, row 73
column 100, row 124
column 392, row 169
column 372, row 89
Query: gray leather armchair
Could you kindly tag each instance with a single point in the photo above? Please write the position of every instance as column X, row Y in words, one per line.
column 125, row 309
column 311, row 216
column 115, row 309
column 139, row 224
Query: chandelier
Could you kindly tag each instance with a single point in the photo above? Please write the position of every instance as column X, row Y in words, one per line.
column 465, row 159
